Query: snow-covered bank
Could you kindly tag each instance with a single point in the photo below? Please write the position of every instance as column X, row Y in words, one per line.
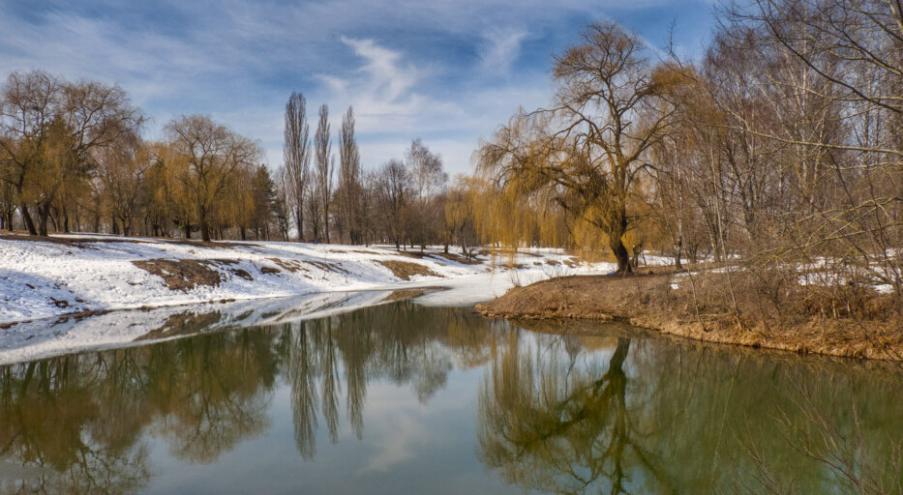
column 72, row 274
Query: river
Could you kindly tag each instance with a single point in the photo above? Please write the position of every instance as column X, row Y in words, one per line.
column 402, row 398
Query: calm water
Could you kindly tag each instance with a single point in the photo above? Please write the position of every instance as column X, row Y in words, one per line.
column 407, row 399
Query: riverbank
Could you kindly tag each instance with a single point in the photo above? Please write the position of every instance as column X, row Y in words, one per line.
column 670, row 303
column 82, row 274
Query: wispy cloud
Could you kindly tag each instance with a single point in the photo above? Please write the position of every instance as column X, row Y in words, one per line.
column 501, row 49
column 445, row 70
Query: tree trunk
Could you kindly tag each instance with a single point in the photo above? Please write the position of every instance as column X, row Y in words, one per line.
column 299, row 221
column 187, row 228
column 204, row 223
column 26, row 217
column 616, row 243
column 205, row 230
column 43, row 216
column 621, row 255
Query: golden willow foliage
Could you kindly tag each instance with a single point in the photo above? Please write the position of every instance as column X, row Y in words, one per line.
column 586, row 154
column 510, row 220
column 72, row 158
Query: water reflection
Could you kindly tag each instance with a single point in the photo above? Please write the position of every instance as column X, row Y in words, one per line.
column 655, row 416
column 560, row 426
column 607, row 411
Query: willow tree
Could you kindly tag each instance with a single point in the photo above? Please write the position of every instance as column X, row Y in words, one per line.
column 586, row 152
column 212, row 154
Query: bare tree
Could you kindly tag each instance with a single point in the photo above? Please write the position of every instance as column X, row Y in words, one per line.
column 349, row 191
column 325, row 166
column 427, row 179
column 394, row 191
column 296, row 155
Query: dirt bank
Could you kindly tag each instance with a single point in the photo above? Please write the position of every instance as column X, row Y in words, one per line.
column 671, row 304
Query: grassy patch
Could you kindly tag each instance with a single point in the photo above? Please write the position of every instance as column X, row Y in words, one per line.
column 861, row 324
column 181, row 275
column 405, row 270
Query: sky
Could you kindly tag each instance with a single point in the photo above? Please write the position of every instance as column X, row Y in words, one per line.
column 446, row 71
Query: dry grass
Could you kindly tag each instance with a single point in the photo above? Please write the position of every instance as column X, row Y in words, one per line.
column 868, row 326
column 405, row 270
column 185, row 275
column 327, row 266
column 292, row 266
column 458, row 258
column 181, row 275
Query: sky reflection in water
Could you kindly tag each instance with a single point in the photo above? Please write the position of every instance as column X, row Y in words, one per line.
column 404, row 398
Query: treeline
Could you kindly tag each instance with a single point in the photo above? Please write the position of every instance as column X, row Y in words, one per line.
column 781, row 148
column 73, row 159
column 406, row 202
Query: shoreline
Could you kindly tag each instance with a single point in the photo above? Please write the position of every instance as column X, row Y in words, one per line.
column 632, row 300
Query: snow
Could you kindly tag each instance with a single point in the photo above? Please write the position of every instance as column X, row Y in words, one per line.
column 42, row 279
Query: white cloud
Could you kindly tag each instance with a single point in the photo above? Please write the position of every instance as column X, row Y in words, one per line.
column 383, row 90
column 389, row 76
column 392, row 108
column 442, row 70
column 501, row 49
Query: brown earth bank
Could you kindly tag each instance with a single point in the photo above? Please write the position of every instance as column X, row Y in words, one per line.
column 720, row 308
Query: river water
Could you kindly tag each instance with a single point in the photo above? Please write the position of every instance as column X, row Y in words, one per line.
column 402, row 398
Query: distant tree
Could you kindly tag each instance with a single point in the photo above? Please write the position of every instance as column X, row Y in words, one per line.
column 281, row 208
column 121, row 170
column 350, row 189
column 325, row 168
column 297, row 155
column 427, row 180
column 30, row 102
column 49, row 133
column 213, row 154
column 458, row 214
column 393, row 195
column 263, row 190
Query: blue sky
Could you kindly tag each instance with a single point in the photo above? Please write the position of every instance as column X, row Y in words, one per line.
column 446, row 71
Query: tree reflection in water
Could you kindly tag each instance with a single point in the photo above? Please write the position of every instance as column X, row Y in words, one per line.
column 79, row 423
column 560, row 426
column 558, row 413
column 658, row 416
